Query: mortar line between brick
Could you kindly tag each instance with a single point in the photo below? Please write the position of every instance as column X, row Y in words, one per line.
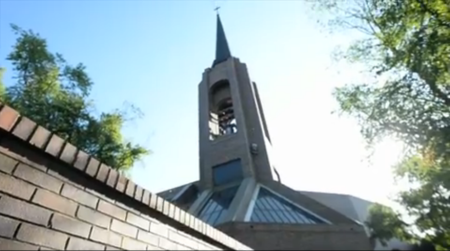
column 43, row 188
column 61, row 188
column 90, row 232
column 96, row 171
column 20, row 159
column 4, row 193
column 15, row 167
column 76, row 211
column 60, row 231
column 116, row 179
column 46, row 142
column 110, row 223
column 30, row 243
column 25, row 221
column 134, row 190
column 37, row 170
column 36, row 126
column 52, row 214
column 31, row 202
column 49, row 223
column 53, row 210
column 98, row 201
column 67, row 243
column 17, row 230
column 108, row 170
column 121, row 242
column 15, row 123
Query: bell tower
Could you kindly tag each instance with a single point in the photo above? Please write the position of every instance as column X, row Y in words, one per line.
column 239, row 191
column 234, row 139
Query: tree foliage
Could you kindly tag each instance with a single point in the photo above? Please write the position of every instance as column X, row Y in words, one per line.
column 387, row 223
column 55, row 94
column 406, row 47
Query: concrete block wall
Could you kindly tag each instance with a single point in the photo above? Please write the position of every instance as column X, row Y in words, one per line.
column 55, row 196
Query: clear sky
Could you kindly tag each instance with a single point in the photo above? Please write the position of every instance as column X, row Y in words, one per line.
column 153, row 53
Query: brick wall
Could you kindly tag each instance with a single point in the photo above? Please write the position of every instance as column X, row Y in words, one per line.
column 55, row 196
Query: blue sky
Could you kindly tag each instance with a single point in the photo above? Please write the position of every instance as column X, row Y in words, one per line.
column 153, row 53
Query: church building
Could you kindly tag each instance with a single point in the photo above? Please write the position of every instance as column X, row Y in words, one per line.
column 240, row 191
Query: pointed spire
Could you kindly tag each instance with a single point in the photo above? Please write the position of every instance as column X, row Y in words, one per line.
column 222, row 49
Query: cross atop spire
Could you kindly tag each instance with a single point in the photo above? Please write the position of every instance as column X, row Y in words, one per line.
column 222, row 49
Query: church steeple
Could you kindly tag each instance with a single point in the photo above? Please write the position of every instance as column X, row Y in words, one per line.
column 239, row 187
column 222, row 50
column 234, row 140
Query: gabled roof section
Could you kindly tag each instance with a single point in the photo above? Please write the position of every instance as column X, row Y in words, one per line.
column 216, row 208
column 171, row 193
column 330, row 214
column 222, row 50
column 183, row 196
column 270, row 207
column 351, row 206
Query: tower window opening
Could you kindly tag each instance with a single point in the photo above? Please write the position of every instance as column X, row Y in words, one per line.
column 222, row 115
column 227, row 120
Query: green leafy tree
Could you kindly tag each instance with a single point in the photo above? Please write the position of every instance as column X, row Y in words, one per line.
column 2, row 86
column 405, row 45
column 55, row 94
column 387, row 224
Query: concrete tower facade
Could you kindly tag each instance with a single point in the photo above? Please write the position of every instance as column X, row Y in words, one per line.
column 234, row 139
column 239, row 190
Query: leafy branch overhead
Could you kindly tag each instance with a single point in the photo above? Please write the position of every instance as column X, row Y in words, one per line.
column 55, row 94
column 387, row 223
column 406, row 46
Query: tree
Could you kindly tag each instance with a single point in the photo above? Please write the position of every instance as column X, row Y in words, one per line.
column 387, row 224
column 2, row 86
column 405, row 45
column 55, row 95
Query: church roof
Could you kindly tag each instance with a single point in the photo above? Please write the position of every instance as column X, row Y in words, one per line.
column 173, row 192
column 272, row 208
column 269, row 207
column 351, row 206
column 274, row 203
column 215, row 209
column 222, row 50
